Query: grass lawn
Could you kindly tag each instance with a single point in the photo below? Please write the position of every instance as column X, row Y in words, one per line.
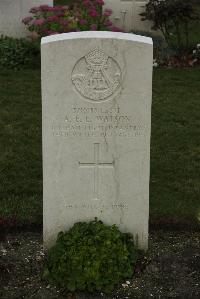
column 175, row 146
column 20, row 151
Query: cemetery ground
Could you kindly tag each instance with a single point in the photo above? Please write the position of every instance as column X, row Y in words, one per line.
column 171, row 268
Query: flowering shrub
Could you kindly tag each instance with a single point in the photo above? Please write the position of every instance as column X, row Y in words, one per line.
column 89, row 15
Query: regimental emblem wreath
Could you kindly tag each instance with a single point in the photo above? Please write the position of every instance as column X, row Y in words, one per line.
column 97, row 76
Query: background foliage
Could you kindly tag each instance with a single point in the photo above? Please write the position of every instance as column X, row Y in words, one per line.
column 17, row 53
column 173, row 19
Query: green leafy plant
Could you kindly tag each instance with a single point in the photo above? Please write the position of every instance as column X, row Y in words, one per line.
column 91, row 256
column 18, row 53
column 172, row 18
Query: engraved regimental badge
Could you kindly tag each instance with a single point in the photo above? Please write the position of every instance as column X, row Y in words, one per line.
column 97, row 76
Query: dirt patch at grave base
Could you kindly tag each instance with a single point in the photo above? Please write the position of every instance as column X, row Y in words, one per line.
column 172, row 269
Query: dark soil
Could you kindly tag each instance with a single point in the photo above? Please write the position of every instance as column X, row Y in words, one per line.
column 170, row 269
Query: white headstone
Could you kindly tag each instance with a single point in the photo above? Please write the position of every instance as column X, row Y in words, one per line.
column 96, row 94
column 126, row 14
column 11, row 14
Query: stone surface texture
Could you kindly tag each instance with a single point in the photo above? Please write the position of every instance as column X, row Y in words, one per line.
column 11, row 14
column 96, row 96
column 126, row 14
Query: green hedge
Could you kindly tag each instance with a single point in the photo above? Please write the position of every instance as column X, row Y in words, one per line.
column 18, row 53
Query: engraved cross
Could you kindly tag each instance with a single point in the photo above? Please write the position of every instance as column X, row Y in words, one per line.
column 96, row 165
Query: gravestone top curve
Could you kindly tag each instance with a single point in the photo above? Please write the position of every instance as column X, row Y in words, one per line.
column 97, row 34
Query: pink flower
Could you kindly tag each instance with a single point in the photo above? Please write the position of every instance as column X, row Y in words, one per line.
column 115, row 29
column 82, row 21
column 57, row 8
column 93, row 27
column 27, row 20
column 93, row 13
column 64, row 22
column 51, row 8
column 59, row 15
column 39, row 22
column 86, row 3
column 108, row 23
column 100, row 2
column 107, row 12
column 44, row 7
column 52, row 18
